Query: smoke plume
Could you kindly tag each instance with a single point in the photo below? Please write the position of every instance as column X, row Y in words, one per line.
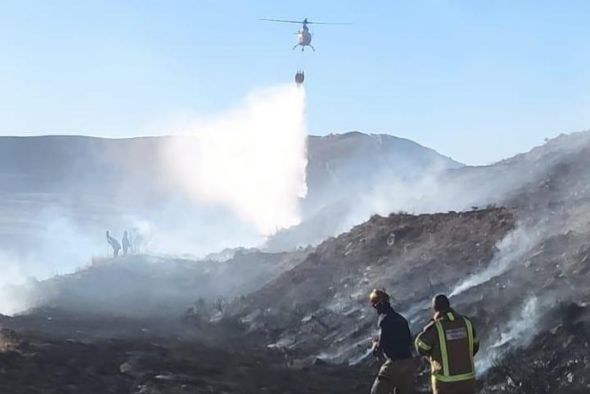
column 511, row 249
column 519, row 330
column 250, row 160
column 226, row 181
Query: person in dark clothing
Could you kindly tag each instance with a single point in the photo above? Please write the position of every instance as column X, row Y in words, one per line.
column 126, row 243
column 114, row 244
column 395, row 345
column 450, row 342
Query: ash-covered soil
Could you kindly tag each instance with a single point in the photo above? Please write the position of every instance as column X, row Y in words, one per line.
column 556, row 361
column 321, row 304
column 308, row 329
column 68, row 354
column 298, row 322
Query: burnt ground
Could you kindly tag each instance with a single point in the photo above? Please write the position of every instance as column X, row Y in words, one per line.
column 307, row 330
column 33, row 362
column 144, row 357
column 297, row 334
column 557, row 360
column 184, row 357
column 320, row 306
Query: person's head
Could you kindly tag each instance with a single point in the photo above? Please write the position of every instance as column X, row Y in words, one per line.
column 379, row 300
column 440, row 303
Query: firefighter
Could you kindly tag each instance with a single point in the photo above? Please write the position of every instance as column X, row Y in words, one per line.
column 450, row 342
column 395, row 346
column 114, row 244
column 126, row 243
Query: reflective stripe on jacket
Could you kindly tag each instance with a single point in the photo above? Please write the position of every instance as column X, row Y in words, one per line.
column 450, row 341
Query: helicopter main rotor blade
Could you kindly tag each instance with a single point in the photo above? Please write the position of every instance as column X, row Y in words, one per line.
column 329, row 23
column 281, row 20
column 307, row 22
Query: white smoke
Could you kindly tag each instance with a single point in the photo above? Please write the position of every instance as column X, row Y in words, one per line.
column 519, row 331
column 243, row 171
column 251, row 159
column 511, row 249
column 12, row 275
column 59, row 247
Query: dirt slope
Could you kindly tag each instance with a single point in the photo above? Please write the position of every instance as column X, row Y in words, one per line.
column 320, row 305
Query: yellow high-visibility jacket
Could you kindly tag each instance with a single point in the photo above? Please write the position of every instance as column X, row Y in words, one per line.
column 450, row 342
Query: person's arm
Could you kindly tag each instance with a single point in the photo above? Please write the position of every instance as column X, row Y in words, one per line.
column 475, row 340
column 376, row 348
column 425, row 341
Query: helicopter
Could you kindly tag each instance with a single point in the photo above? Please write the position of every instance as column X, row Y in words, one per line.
column 303, row 34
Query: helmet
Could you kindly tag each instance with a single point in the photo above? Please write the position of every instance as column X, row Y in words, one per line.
column 440, row 303
column 377, row 296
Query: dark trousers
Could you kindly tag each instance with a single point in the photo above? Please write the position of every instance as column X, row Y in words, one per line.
column 396, row 377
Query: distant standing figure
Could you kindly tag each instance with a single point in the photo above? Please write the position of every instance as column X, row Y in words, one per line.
column 126, row 243
column 114, row 244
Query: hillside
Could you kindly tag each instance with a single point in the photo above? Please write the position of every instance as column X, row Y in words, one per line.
column 343, row 170
column 549, row 176
column 411, row 256
column 341, row 166
column 56, row 189
column 514, row 256
column 520, row 272
column 142, row 286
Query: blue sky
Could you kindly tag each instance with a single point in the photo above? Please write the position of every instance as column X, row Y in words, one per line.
column 477, row 80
